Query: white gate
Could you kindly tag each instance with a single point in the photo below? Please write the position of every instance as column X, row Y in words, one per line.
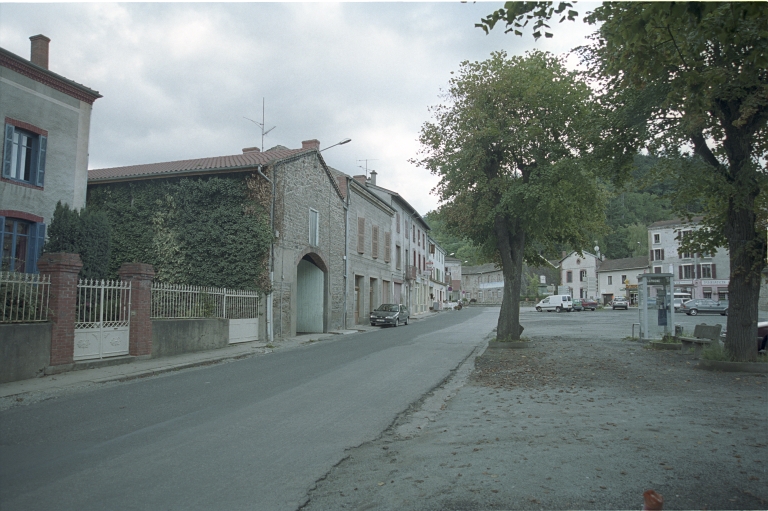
column 103, row 319
column 242, row 310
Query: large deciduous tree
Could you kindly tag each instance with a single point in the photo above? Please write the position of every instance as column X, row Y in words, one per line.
column 506, row 144
column 691, row 78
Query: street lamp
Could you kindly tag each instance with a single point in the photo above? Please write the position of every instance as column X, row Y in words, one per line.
column 345, row 141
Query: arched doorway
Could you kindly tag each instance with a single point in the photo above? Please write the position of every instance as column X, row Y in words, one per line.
column 310, row 296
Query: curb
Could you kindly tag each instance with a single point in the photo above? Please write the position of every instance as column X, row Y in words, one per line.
column 733, row 367
column 496, row 345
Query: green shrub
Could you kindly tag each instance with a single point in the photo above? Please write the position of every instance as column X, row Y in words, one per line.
column 83, row 232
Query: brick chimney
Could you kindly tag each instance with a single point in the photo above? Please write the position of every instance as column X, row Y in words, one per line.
column 373, row 177
column 251, row 150
column 360, row 179
column 40, row 50
column 310, row 144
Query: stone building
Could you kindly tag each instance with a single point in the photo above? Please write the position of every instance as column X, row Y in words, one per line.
column 618, row 277
column 308, row 214
column 371, row 277
column 438, row 285
column 47, row 120
column 453, row 278
column 483, row 284
column 701, row 275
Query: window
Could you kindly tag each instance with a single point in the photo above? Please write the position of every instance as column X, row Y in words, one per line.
column 387, row 246
column 623, row 279
column 361, row 235
column 582, row 275
column 686, row 255
column 569, row 276
column 314, row 228
column 22, row 243
column 657, row 269
column 685, row 271
column 657, row 254
column 708, row 271
column 707, row 292
column 418, row 235
column 657, row 238
column 24, row 153
column 375, row 241
column 398, row 257
column 413, row 233
column 610, row 280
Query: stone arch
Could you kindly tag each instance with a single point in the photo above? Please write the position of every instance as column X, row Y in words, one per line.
column 311, row 294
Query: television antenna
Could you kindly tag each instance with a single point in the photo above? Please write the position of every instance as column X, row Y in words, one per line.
column 261, row 125
column 366, row 165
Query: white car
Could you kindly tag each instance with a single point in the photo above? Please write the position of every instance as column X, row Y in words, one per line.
column 557, row 303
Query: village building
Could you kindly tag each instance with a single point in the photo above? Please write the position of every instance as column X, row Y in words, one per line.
column 578, row 274
column 618, row 277
column 47, row 121
column 438, row 286
column 453, row 278
column 483, row 284
column 702, row 275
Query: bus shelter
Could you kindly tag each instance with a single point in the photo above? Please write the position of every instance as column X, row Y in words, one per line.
column 657, row 308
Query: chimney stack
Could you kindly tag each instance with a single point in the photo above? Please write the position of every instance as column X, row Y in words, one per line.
column 251, row 150
column 310, row 144
column 373, row 177
column 40, row 50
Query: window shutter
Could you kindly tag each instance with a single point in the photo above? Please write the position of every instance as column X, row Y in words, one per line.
column 361, row 235
column 662, row 254
column 2, row 238
column 680, row 271
column 42, row 146
column 36, row 242
column 651, row 255
column 398, row 222
column 698, row 271
column 714, row 273
column 7, row 150
column 375, row 241
column 387, row 246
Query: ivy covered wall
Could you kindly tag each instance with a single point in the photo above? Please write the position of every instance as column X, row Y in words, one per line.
column 206, row 231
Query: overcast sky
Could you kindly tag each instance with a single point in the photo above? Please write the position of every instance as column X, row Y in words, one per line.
column 178, row 78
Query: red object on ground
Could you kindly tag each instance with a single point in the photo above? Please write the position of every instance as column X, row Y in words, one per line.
column 652, row 501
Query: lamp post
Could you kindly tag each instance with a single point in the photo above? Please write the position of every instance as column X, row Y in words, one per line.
column 345, row 141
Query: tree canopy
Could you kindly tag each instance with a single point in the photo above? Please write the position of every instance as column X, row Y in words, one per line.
column 510, row 146
column 687, row 81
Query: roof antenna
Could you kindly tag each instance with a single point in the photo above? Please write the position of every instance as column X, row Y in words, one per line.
column 261, row 125
column 366, row 166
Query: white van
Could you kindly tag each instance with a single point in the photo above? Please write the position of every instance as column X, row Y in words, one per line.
column 680, row 299
column 557, row 303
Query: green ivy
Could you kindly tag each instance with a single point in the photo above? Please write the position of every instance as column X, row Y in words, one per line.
column 83, row 232
column 198, row 231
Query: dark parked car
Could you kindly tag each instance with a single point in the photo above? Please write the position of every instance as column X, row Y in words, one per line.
column 620, row 303
column 577, row 306
column 704, row 306
column 389, row 314
column 588, row 304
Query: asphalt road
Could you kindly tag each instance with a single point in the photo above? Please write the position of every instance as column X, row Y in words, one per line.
column 251, row 434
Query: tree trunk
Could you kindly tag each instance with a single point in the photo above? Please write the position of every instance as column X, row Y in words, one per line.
column 747, row 250
column 510, row 240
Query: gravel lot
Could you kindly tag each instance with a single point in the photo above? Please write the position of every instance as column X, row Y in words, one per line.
column 570, row 423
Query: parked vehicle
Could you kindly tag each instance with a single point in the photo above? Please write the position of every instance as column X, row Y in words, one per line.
column 704, row 306
column 557, row 303
column 678, row 303
column 762, row 336
column 577, row 305
column 390, row 314
column 588, row 304
column 620, row 303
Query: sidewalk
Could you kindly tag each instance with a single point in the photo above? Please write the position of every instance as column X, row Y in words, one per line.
column 138, row 368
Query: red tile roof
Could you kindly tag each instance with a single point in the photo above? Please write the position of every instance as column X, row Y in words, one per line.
column 197, row 166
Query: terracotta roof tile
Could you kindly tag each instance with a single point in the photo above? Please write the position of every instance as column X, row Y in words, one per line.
column 199, row 165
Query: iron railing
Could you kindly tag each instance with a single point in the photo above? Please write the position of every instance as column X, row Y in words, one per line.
column 24, row 297
column 171, row 301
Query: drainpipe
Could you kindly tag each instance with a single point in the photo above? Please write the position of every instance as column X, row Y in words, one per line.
column 346, row 253
column 270, row 325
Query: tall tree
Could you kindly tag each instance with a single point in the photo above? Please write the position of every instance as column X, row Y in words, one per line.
column 506, row 144
column 691, row 78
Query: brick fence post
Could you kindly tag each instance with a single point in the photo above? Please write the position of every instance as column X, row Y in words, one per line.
column 63, row 269
column 140, row 275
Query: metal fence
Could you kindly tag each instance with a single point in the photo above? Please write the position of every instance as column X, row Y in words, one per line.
column 171, row 301
column 102, row 303
column 24, row 297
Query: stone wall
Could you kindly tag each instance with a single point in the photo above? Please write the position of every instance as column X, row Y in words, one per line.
column 303, row 184
column 25, row 350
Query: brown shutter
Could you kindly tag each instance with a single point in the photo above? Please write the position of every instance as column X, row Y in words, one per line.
column 714, row 273
column 680, row 271
column 651, row 255
column 662, row 254
column 387, row 246
column 361, row 235
column 375, row 241
column 398, row 222
column 698, row 271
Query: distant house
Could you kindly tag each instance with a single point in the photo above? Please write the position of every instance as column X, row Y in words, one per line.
column 308, row 293
column 438, row 285
column 484, row 283
column 453, row 278
column 578, row 273
column 47, row 121
column 618, row 277
column 700, row 274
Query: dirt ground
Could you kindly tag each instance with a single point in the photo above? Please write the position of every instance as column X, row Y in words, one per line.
column 568, row 424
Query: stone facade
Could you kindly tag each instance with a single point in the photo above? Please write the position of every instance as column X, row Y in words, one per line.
column 701, row 275
column 484, row 284
column 50, row 116
column 453, row 276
